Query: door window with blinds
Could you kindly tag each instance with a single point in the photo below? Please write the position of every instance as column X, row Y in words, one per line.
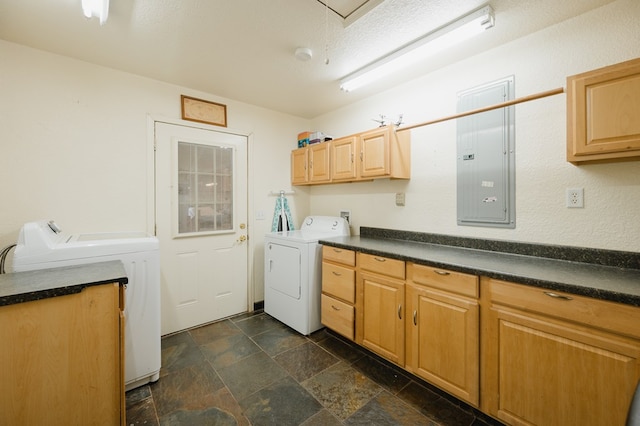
column 204, row 194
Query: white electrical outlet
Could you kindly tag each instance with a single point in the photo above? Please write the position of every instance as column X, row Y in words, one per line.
column 575, row 198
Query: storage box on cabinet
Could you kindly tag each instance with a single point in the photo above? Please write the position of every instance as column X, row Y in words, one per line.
column 553, row 358
column 443, row 329
column 338, row 290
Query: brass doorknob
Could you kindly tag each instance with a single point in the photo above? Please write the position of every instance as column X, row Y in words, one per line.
column 242, row 226
column 242, row 238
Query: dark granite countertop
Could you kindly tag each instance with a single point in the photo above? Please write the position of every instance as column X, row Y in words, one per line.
column 606, row 282
column 21, row 287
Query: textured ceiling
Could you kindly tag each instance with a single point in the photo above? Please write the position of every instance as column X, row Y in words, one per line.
column 244, row 49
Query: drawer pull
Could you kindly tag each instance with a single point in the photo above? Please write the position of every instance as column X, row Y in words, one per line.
column 415, row 317
column 557, row 296
column 335, row 308
column 337, row 250
column 400, row 311
column 439, row 272
column 337, row 274
column 380, row 259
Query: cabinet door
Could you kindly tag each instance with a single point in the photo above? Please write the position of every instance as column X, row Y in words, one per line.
column 443, row 340
column 61, row 360
column 382, row 316
column 374, row 153
column 602, row 111
column 319, row 169
column 343, row 157
column 555, row 373
column 299, row 170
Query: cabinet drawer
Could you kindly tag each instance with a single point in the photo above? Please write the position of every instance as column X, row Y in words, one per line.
column 338, row 316
column 338, row 255
column 339, row 281
column 454, row 282
column 609, row 316
column 382, row 265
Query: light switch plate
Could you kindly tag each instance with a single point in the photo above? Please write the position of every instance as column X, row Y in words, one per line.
column 399, row 198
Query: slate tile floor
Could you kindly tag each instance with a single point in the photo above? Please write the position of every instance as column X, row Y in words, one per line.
column 254, row 370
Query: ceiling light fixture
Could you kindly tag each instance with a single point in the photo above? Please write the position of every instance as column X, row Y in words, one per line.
column 97, row 8
column 442, row 38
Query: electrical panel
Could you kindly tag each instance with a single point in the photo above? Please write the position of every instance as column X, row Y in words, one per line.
column 486, row 157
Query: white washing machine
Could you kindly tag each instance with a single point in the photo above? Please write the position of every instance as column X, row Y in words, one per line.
column 293, row 272
column 43, row 245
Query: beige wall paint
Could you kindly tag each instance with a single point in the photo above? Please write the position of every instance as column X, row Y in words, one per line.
column 539, row 62
column 75, row 148
column 75, row 145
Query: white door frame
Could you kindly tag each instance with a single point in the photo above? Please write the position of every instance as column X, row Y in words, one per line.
column 151, row 187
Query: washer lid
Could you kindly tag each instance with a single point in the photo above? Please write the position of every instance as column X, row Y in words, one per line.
column 38, row 243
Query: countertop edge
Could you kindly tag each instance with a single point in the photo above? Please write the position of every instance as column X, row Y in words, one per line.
column 611, row 295
column 28, row 286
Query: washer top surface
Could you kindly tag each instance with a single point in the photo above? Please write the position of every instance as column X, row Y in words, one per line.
column 314, row 228
column 43, row 241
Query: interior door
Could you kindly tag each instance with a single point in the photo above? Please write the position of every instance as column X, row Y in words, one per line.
column 201, row 216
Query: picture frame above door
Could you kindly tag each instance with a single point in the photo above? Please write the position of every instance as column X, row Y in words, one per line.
column 202, row 111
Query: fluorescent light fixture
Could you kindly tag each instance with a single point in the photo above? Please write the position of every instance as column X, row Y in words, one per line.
column 97, row 8
column 442, row 38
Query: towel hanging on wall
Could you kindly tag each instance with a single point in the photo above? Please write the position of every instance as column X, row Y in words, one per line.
column 282, row 216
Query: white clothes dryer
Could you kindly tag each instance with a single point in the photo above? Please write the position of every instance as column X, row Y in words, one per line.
column 293, row 272
column 43, row 245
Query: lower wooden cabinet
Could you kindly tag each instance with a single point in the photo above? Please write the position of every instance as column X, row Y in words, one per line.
column 443, row 330
column 558, row 359
column 62, row 359
column 338, row 290
column 338, row 316
column 521, row 354
column 381, row 317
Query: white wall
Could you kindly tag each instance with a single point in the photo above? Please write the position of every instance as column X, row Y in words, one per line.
column 539, row 62
column 75, row 147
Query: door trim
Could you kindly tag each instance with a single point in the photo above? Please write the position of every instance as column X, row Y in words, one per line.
column 151, row 187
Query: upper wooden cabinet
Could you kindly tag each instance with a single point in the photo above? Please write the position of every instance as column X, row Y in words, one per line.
column 603, row 114
column 300, row 166
column 343, row 159
column 385, row 153
column 378, row 153
column 310, row 164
